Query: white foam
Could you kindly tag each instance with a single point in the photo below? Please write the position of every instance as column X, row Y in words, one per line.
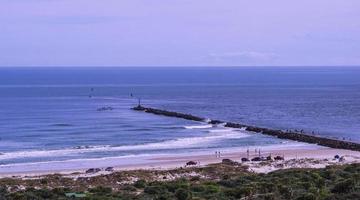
column 221, row 125
column 223, row 130
column 204, row 126
column 216, row 135
column 128, row 161
column 207, row 120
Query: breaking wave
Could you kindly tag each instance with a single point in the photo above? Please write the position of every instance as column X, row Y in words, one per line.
column 199, row 126
column 180, row 143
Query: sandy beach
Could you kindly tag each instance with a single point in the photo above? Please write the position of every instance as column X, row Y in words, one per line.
column 294, row 157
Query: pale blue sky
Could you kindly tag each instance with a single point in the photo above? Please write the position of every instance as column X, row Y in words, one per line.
column 179, row 32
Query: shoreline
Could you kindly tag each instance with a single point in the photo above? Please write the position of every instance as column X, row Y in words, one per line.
column 296, row 157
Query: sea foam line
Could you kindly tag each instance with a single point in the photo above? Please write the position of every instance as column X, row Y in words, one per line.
column 180, row 143
column 199, row 126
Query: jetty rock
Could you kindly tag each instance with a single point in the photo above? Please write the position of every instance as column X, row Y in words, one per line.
column 289, row 135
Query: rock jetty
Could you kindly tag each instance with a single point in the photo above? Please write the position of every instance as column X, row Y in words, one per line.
column 296, row 136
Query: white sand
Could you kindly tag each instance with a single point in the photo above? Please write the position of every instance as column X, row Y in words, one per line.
column 295, row 157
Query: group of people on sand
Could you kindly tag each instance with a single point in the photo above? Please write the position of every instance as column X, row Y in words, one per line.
column 258, row 156
column 257, row 151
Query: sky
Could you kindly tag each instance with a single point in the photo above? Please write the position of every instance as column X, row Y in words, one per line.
column 179, row 33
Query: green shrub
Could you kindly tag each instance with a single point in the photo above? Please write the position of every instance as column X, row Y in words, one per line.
column 197, row 188
column 285, row 191
column 153, row 190
column 332, row 183
column 173, row 186
column 245, row 191
column 212, row 189
column 228, row 183
column 129, row 188
column 101, row 190
column 43, row 181
column 140, row 184
column 183, row 194
column 46, row 194
column 195, row 178
column 269, row 196
column 343, row 186
column 307, row 196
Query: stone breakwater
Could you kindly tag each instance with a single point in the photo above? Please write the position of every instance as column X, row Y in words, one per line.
column 296, row 136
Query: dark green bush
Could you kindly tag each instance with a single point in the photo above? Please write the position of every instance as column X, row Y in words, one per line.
column 140, row 184
column 129, row 188
column 343, row 186
column 154, row 190
column 195, row 178
column 332, row 183
column 307, row 196
column 183, row 194
column 212, row 189
column 101, row 190
column 197, row 188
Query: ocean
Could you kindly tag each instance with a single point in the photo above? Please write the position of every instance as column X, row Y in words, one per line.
column 60, row 114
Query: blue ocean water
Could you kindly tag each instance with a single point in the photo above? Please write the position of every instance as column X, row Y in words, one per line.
column 51, row 114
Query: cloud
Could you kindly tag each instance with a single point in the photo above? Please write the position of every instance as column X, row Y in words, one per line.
column 243, row 57
column 141, row 33
column 64, row 20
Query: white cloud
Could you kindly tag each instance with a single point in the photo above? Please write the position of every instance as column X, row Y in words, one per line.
column 179, row 32
column 243, row 57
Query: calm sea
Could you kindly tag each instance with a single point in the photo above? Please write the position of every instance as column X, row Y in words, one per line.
column 53, row 114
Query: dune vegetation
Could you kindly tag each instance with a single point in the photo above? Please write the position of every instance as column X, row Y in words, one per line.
column 218, row 181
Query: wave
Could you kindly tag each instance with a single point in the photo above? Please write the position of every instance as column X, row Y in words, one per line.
column 180, row 143
column 199, row 126
column 221, row 125
column 223, row 130
column 207, row 120
column 206, row 126
column 61, row 125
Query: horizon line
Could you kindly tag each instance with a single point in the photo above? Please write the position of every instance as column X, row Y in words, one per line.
column 180, row 66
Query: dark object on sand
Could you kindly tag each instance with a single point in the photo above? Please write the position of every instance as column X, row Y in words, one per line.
column 109, row 169
column 191, row 163
column 342, row 159
column 263, row 159
column 336, row 156
column 229, row 162
column 245, row 160
column 93, row 170
column 256, row 159
column 269, row 158
column 278, row 158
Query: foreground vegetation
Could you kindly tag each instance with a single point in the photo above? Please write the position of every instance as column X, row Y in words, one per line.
column 220, row 181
